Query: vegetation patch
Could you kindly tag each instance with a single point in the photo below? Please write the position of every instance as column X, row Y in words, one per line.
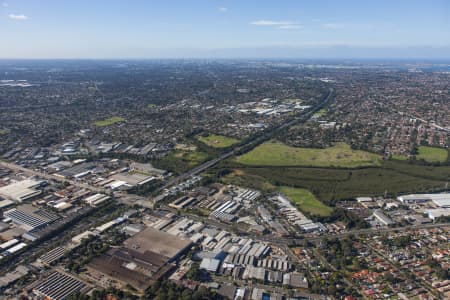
column 432, row 154
column 399, row 157
column 330, row 185
column 180, row 161
column 241, row 178
column 217, row 141
column 321, row 113
column 306, row 201
column 275, row 153
column 4, row 131
column 109, row 121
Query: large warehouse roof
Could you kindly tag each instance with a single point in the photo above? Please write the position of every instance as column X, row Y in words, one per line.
column 21, row 190
column 158, row 242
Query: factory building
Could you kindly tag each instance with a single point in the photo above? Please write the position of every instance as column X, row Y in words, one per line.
column 21, row 190
column 30, row 218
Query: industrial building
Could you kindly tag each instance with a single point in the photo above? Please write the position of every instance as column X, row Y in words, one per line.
column 210, row 264
column 143, row 259
column 96, row 199
column 433, row 214
column 21, row 190
column 440, row 200
column 382, row 218
column 30, row 217
column 59, row 286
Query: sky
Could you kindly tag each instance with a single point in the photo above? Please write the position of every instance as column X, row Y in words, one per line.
column 210, row 28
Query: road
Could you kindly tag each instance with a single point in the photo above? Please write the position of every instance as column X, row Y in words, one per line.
column 259, row 140
column 51, row 177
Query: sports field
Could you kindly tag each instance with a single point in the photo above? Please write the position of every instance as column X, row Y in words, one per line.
column 306, row 201
column 3, row 131
column 275, row 153
column 109, row 121
column 432, row 154
column 217, row 141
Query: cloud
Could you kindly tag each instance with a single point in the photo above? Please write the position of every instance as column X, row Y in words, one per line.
column 277, row 24
column 223, row 9
column 18, row 17
column 290, row 26
column 271, row 23
column 332, row 25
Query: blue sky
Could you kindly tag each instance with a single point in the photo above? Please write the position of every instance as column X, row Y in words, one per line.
column 197, row 28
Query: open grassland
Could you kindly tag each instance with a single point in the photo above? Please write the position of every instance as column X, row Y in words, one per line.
column 432, row 154
column 399, row 157
column 275, row 153
column 217, row 141
column 306, row 201
column 109, row 121
column 180, row 161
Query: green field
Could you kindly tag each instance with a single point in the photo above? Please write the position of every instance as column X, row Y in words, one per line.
column 275, row 153
column 217, row 141
column 4, row 131
column 151, row 105
column 109, row 121
column 321, row 113
column 432, row 154
column 180, row 161
column 306, row 201
column 399, row 157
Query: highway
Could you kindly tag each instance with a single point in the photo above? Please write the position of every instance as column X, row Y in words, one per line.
column 259, row 140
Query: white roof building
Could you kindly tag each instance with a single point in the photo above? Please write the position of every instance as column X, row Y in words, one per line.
column 210, row 264
column 433, row 214
column 21, row 190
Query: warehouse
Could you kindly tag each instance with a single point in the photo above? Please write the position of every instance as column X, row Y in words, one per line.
column 210, row 264
column 21, row 190
column 159, row 242
column 440, row 200
column 433, row 214
column 96, row 199
column 29, row 217
column 144, row 258
column 59, row 286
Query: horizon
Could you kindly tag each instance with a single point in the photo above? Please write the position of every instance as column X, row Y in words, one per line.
column 225, row 29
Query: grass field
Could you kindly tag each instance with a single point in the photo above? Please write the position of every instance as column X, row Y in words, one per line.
column 180, row 161
column 321, row 113
column 109, row 121
column 3, row 131
column 275, row 153
column 217, row 141
column 151, row 105
column 306, row 201
column 432, row 154
column 399, row 157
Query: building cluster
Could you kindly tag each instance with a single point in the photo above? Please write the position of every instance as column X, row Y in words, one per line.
column 387, row 113
column 294, row 216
